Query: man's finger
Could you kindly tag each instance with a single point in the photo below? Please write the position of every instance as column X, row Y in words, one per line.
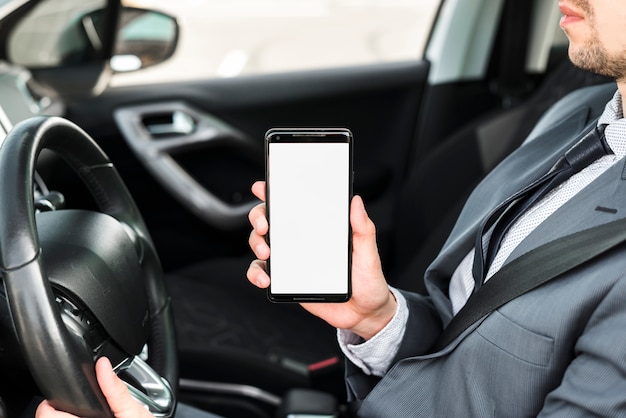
column 258, row 189
column 257, row 275
column 45, row 410
column 116, row 393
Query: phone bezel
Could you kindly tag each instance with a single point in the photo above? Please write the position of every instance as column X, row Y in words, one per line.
column 310, row 135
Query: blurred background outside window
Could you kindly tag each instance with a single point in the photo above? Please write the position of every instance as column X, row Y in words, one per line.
column 231, row 38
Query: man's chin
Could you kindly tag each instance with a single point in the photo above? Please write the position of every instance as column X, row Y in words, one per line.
column 588, row 59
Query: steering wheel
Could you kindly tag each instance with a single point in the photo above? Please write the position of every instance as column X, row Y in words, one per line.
column 82, row 284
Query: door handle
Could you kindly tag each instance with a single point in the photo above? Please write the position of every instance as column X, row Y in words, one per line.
column 155, row 132
column 171, row 123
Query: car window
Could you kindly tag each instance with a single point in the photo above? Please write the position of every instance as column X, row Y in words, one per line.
column 230, row 38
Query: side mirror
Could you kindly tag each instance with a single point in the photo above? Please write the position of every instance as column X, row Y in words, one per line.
column 144, row 38
column 53, row 37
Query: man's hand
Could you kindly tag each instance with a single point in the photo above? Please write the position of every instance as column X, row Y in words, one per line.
column 115, row 391
column 371, row 306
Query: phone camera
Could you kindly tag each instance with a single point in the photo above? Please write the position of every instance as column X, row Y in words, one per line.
column 278, row 137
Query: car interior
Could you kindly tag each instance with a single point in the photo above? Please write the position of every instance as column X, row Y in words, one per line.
column 152, row 184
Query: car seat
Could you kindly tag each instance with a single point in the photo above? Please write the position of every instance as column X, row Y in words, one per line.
column 473, row 151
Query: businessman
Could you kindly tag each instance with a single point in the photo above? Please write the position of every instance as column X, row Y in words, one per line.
column 559, row 349
column 556, row 350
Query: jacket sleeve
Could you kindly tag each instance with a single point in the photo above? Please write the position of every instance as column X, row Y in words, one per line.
column 422, row 329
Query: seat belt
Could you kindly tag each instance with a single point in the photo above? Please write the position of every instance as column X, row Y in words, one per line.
column 531, row 270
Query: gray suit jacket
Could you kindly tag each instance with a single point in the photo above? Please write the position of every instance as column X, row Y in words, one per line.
column 559, row 350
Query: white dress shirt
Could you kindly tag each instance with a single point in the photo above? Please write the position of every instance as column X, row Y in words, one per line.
column 375, row 355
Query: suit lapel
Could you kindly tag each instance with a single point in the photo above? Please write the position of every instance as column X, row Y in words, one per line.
column 522, row 167
column 603, row 201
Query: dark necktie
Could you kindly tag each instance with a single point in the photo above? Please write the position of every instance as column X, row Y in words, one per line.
column 591, row 147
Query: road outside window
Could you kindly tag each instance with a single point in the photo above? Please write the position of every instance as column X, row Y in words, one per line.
column 230, row 38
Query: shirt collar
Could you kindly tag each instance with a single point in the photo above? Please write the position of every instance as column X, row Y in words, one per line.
column 615, row 132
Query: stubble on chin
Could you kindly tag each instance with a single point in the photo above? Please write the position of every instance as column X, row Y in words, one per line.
column 594, row 57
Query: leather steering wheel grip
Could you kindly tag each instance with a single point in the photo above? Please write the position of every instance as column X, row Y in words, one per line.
column 61, row 366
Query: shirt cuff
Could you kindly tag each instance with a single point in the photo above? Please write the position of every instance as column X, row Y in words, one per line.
column 375, row 355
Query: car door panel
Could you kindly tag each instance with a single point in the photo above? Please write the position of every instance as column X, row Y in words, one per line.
column 158, row 132
column 209, row 169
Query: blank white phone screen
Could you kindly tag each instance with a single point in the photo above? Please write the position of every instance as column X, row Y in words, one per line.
column 309, row 217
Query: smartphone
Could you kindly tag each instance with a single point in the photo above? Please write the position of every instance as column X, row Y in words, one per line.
column 309, row 178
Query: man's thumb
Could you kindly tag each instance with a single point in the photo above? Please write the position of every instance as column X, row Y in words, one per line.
column 363, row 229
column 122, row 404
